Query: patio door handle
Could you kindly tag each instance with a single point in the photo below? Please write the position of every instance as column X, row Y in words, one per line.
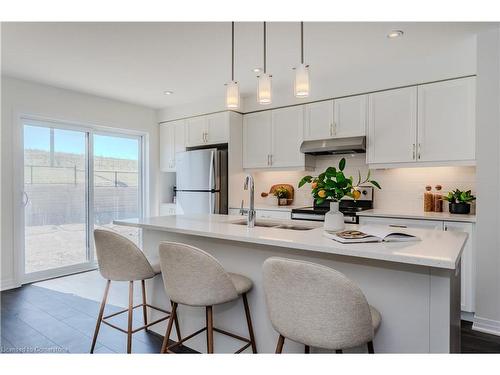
column 26, row 199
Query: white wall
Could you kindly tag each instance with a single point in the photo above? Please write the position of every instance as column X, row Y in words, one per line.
column 458, row 59
column 488, row 181
column 402, row 188
column 25, row 97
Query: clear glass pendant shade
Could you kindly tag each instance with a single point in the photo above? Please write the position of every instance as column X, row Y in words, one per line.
column 264, row 89
column 232, row 95
column 302, row 85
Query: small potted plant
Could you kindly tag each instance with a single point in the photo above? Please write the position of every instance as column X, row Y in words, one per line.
column 332, row 185
column 459, row 201
column 282, row 194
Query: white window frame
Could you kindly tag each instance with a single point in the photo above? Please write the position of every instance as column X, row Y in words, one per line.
column 19, row 212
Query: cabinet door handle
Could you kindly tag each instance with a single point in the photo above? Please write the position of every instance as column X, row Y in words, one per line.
column 398, row 226
column 413, row 157
column 418, row 154
column 445, row 228
column 271, row 157
column 334, row 128
column 331, row 129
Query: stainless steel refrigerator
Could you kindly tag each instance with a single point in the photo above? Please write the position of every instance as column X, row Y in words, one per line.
column 201, row 181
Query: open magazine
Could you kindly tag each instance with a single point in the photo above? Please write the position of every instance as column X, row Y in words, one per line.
column 371, row 233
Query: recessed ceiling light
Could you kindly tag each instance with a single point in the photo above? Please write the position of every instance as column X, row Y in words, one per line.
column 168, row 92
column 395, row 34
column 257, row 70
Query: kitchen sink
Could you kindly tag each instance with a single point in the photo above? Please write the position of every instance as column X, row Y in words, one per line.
column 276, row 225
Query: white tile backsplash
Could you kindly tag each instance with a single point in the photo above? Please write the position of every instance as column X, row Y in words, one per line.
column 402, row 188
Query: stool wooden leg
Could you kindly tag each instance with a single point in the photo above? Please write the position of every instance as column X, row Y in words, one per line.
column 177, row 328
column 279, row 347
column 307, row 349
column 99, row 317
column 370, row 347
column 210, row 330
column 144, row 308
column 130, row 316
column 173, row 316
column 249, row 323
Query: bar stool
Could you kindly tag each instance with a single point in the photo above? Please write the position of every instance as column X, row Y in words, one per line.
column 317, row 306
column 120, row 259
column 193, row 277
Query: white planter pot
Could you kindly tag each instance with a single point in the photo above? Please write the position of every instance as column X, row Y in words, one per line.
column 334, row 219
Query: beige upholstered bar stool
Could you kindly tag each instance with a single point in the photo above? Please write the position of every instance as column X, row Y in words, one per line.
column 195, row 278
column 120, row 259
column 317, row 306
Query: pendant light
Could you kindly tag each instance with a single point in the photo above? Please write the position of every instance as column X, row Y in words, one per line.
column 264, row 80
column 232, row 88
column 301, row 84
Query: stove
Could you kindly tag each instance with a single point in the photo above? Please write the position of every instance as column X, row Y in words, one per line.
column 347, row 206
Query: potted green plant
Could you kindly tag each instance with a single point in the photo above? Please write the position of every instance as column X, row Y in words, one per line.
column 332, row 185
column 282, row 194
column 459, row 201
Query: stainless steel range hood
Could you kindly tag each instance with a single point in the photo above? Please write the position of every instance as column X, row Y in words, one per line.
column 335, row 146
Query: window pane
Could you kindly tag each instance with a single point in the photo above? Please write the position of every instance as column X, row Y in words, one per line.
column 116, row 182
column 55, row 185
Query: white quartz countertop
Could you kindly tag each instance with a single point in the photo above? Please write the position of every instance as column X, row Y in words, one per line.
column 439, row 249
column 439, row 216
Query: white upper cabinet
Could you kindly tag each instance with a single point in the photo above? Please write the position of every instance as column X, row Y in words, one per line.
column 318, row 120
column 195, row 131
column 217, row 128
column 287, row 128
column 271, row 139
column 171, row 141
column 257, row 140
column 350, row 116
column 392, row 126
column 345, row 117
column 209, row 129
column 446, row 120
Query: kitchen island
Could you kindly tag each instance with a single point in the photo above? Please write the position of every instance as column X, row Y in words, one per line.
column 414, row 285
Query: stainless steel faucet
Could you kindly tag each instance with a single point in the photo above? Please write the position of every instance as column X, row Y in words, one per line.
column 249, row 185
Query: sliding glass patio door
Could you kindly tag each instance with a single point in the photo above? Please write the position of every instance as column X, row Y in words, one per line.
column 75, row 179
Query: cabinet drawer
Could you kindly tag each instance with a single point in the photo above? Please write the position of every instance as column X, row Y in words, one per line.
column 405, row 223
column 271, row 214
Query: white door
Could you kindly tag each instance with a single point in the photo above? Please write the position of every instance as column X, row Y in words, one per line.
column 350, row 116
column 446, row 120
column 392, row 120
column 318, row 120
column 287, row 136
column 196, row 128
column 257, row 140
column 167, row 147
column 218, row 128
column 468, row 265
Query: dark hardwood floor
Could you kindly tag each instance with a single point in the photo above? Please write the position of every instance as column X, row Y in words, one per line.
column 39, row 320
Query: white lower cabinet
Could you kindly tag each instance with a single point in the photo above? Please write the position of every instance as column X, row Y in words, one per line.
column 468, row 284
column 167, row 209
column 468, row 270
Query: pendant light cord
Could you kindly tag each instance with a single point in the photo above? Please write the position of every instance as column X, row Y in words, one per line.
column 232, row 51
column 302, row 42
column 264, row 47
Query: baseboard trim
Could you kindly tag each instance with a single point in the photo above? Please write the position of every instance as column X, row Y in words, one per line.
column 486, row 325
column 9, row 284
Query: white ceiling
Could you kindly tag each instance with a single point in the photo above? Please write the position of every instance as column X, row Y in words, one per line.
column 137, row 62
